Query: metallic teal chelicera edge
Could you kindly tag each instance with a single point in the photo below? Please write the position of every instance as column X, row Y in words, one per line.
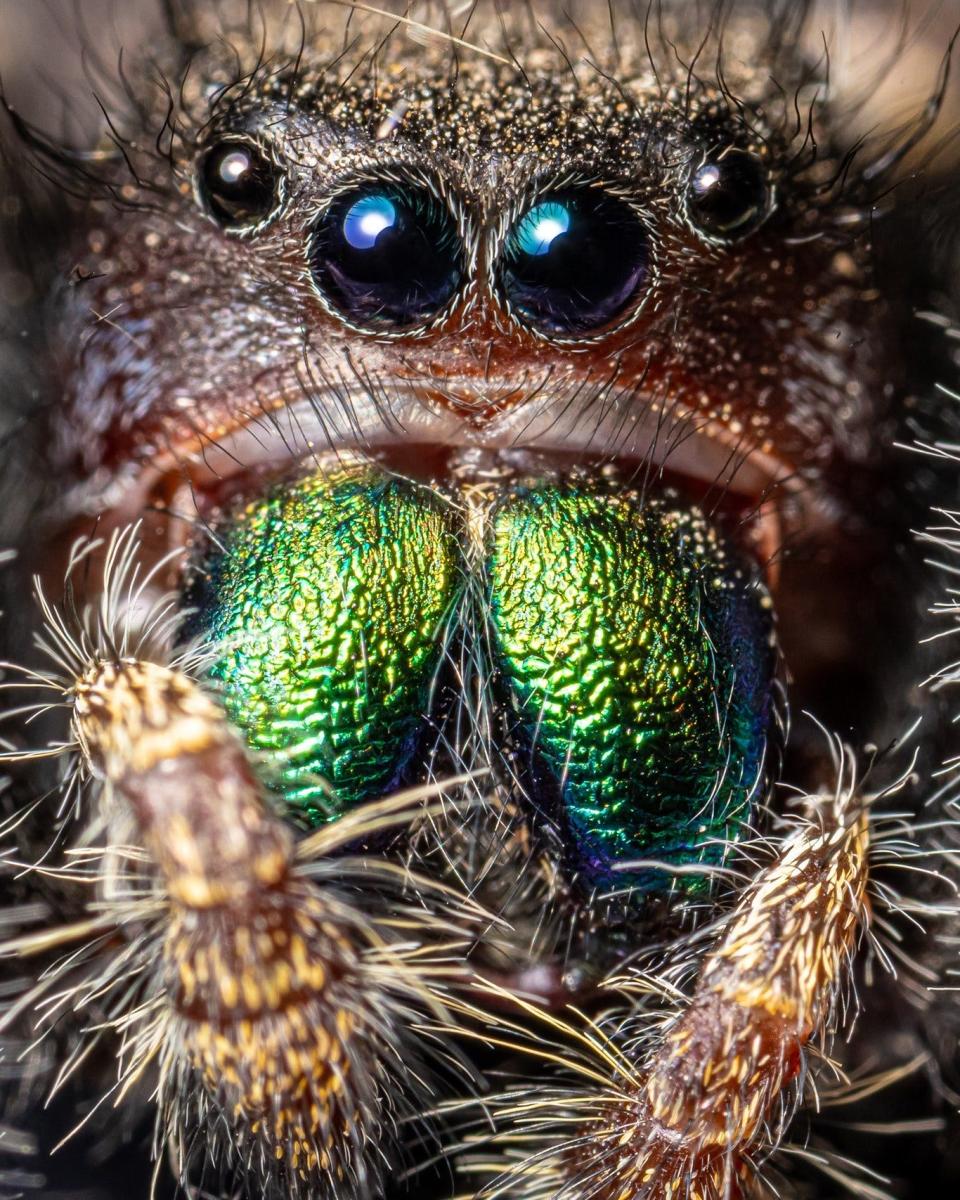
column 641, row 668
column 328, row 603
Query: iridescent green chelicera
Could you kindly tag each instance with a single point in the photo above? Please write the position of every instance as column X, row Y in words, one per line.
column 637, row 653
column 641, row 660
column 327, row 600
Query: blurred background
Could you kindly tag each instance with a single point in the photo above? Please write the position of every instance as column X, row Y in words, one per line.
column 44, row 45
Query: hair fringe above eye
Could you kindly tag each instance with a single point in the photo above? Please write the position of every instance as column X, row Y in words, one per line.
column 223, row 60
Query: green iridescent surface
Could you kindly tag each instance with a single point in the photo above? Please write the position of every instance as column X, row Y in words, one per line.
column 328, row 598
column 633, row 656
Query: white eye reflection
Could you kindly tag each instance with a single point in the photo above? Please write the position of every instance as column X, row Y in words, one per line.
column 235, row 166
column 708, row 177
column 542, row 225
column 367, row 219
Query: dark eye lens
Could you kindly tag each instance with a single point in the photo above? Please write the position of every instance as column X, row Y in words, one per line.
column 729, row 195
column 574, row 260
column 239, row 184
column 387, row 255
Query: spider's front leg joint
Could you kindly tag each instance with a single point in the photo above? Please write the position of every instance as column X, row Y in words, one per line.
column 165, row 747
column 263, row 970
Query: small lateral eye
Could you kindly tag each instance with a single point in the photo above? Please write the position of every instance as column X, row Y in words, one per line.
column 239, row 185
column 729, row 195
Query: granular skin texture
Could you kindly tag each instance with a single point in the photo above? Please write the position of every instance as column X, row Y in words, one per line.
column 328, row 601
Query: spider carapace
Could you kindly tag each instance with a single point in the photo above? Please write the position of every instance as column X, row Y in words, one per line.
column 476, row 719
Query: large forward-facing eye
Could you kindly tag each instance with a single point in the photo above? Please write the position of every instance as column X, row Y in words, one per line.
column 239, row 184
column 387, row 255
column 574, row 261
column 729, row 195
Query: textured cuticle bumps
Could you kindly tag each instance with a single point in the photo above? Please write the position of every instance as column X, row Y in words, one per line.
column 328, row 600
column 641, row 659
column 636, row 653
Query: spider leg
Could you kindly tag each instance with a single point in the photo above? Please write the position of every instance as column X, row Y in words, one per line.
column 281, row 1013
column 711, row 1091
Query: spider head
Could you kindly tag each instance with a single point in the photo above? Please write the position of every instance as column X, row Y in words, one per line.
column 510, row 415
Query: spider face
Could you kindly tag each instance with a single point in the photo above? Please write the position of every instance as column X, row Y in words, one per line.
column 466, row 434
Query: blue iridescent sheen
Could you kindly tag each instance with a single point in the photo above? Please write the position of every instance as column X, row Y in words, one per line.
column 575, row 260
column 367, row 219
column 641, row 659
column 542, row 225
column 631, row 649
column 387, row 255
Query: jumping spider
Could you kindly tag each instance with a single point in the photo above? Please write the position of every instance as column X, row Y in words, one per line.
column 447, row 445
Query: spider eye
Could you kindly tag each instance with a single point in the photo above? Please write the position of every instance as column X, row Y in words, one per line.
column 574, row 261
column 322, row 603
column 640, row 660
column 729, row 195
column 239, row 185
column 385, row 255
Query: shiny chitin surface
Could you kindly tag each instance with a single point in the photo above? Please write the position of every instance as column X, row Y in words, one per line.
column 326, row 601
column 639, row 651
column 641, row 660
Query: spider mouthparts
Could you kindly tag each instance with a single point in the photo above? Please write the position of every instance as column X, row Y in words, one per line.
column 633, row 647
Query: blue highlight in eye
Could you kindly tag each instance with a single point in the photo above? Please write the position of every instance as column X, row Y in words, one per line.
column 542, row 225
column 367, row 219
